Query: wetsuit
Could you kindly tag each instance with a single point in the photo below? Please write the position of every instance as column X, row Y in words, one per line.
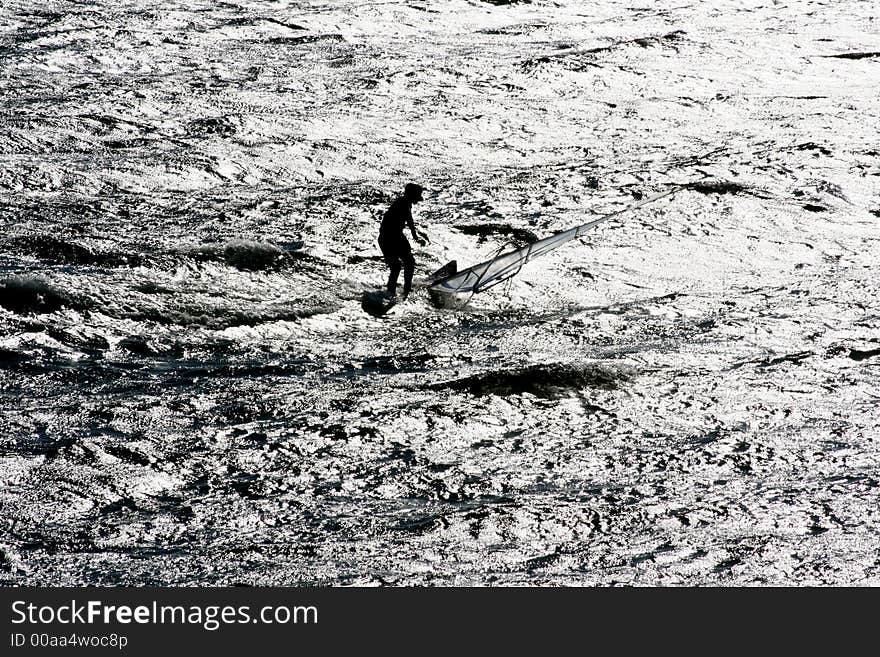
column 395, row 247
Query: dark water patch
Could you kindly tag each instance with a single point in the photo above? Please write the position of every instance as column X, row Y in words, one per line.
column 442, row 490
column 123, row 505
column 812, row 207
column 217, row 346
column 34, row 296
column 419, row 524
column 392, row 364
column 50, row 248
column 41, row 444
column 255, row 439
column 827, row 187
column 518, row 236
column 480, row 208
column 546, row 381
column 860, row 354
column 239, row 412
column 8, row 564
column 728, row 564
column 289, row 26
column 510, row 30
column 76, row 215
column 401, row 453
column 218, row 125
column 87, row 343
column 49, row 17
column 306, row 38
column 810, row 146
column 809, row 97
column 11, row 358
column 248, row 485
column 358, row 259
column 127, row 454
column 248, row 21
column 707, row 438
column 876, row 212
column 362, row 196
column 122, row 144
column 854, row 55
column 644, row 42
column 59, row 369
column 151, row 287
column 796, row 359
column 536, row 563
column 59, row 539
column 718, row 187
column 141, row 345
column 252, row 409
column 861, row 479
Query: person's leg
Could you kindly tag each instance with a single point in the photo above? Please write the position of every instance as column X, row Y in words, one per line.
column 392, row 259
column 392, row 277
column 409, row 267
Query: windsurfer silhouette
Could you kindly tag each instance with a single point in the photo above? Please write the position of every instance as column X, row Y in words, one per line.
column 395, row 247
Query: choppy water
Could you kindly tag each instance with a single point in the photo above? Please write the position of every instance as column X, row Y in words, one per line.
column 191, row 393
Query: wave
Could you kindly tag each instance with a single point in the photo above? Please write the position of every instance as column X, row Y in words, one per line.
column 246, row 255
column 56, row 250
column 26, row 295
column 222, row 317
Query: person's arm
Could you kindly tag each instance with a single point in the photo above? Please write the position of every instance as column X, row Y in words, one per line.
column 412, row 228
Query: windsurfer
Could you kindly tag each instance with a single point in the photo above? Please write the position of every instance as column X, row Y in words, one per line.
column 393, row 243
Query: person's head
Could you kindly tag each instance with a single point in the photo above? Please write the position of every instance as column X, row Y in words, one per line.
column 413, row 192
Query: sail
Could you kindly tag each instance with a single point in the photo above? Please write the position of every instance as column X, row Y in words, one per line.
column 486, row 274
